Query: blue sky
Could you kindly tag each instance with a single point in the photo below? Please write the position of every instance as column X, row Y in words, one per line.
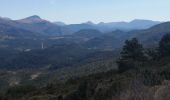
column 76, row 11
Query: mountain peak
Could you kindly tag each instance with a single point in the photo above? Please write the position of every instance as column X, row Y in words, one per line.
column 89, row 22
column 101, row 23
column 5, row 18
column 32, row 19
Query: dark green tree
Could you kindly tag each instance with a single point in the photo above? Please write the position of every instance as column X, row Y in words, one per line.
column 152, row 54
column 132, row 53
column 164, row 45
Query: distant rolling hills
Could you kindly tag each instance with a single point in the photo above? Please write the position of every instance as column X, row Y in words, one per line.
column 34, row 51
column 36, row 24
column 25, row 37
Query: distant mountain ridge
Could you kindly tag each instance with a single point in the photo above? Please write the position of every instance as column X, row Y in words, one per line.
column 152, row 35
column 115, row 39
column 32, row 19
column 37, row 24
column 111, row 26
column 134, row 24
column 60, row 23
column 29, row 37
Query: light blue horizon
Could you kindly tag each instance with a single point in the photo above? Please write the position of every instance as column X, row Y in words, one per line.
column 77, row 11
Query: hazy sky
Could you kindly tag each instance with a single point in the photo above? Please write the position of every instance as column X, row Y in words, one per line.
column 76, row 11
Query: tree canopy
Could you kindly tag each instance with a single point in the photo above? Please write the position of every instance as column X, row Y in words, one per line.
column 164, row 45
column 132, row 52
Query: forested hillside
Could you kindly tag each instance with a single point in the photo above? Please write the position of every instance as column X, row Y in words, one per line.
column 141, row 74
column 39, row 61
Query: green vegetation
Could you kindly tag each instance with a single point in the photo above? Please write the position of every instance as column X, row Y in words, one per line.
column 82, row 63
column 132, row 54
column 141, row 78
column 164, row 45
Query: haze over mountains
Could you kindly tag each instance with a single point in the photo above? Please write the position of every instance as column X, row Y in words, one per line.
column 84, row 50
column 35, row 30
column 36, row 24
column 71, row 43
column 30, row 33
column 35, row 51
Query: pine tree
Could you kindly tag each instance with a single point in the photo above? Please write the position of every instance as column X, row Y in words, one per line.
column 132, row 52
column 164, row 45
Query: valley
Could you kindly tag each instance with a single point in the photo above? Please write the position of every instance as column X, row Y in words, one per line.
column 43, row 60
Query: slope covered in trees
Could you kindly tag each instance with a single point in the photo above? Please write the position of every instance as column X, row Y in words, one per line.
column 142, row 78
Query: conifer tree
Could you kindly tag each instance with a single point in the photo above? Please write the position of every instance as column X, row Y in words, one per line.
column 164, row 45
column 132, row 52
